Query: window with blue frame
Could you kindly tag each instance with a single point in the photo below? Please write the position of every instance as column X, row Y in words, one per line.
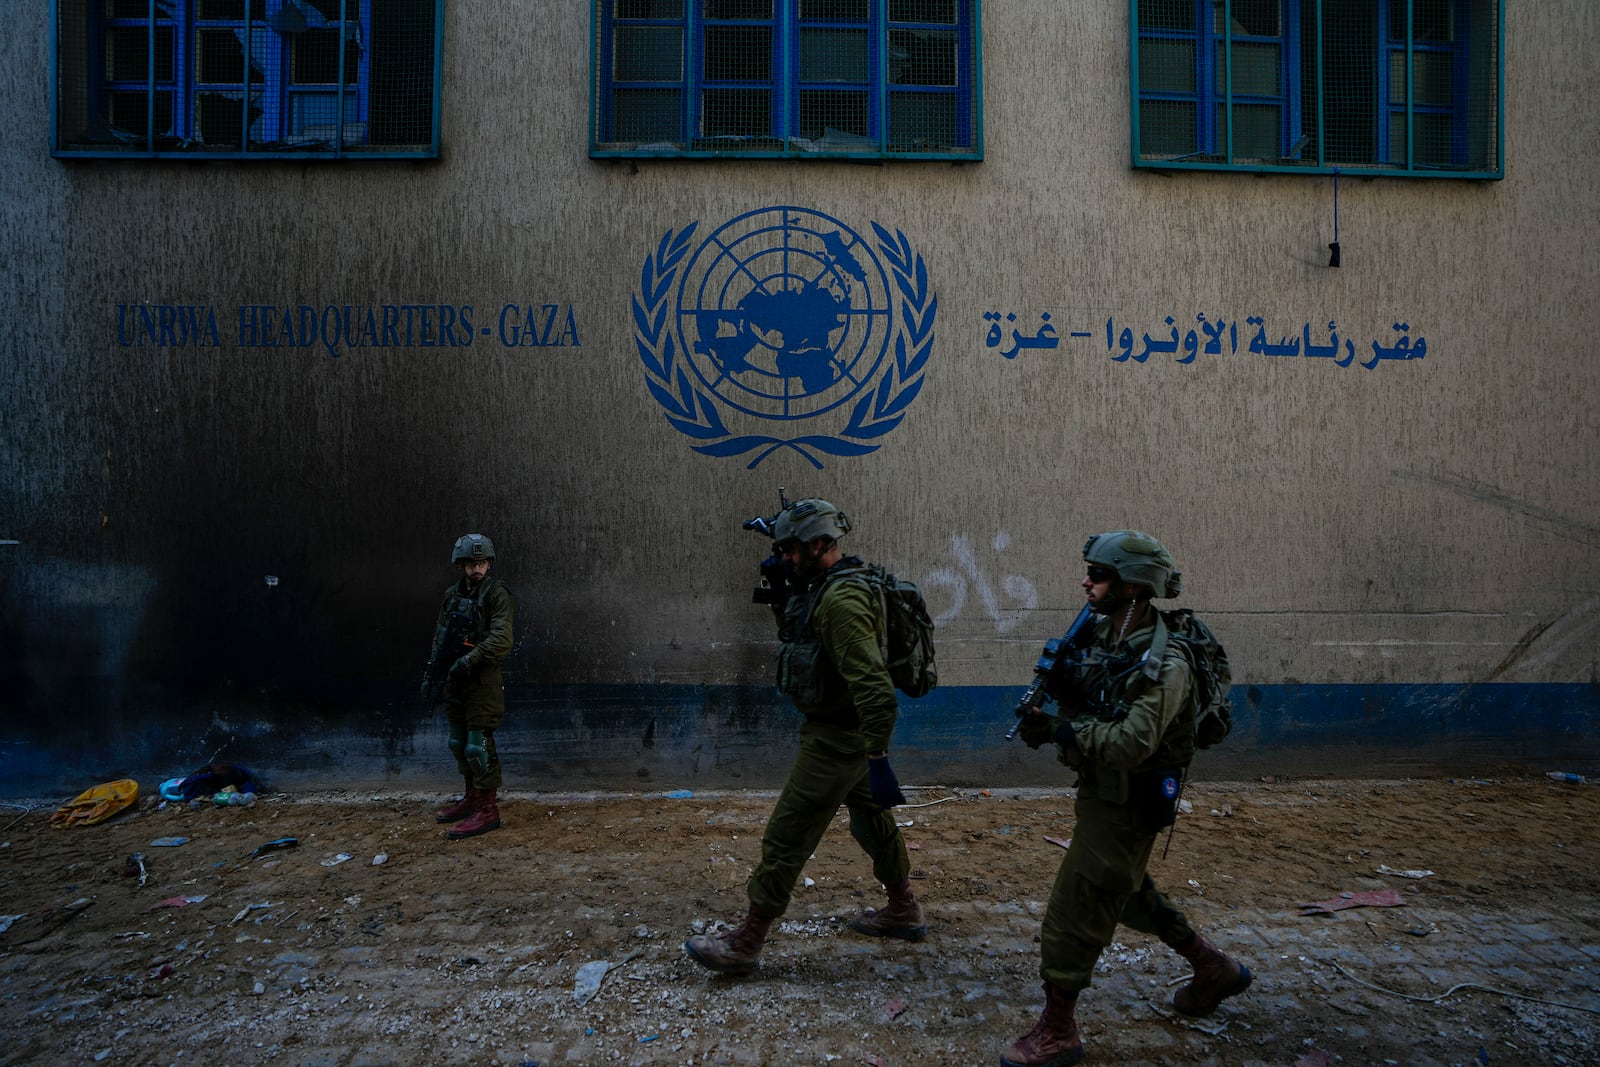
column 1408, row 87
column 247, row 78
column 787, row 78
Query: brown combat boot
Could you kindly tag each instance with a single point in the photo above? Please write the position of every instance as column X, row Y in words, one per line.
column 1053, row 1041
column 461, row 808
column 486, row 817
column 902, row 918
column 1216, row 977
column 735, row 951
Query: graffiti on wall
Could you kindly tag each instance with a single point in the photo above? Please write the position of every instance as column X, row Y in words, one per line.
column 1003, row 602
column 334, row 329
column 784, row 329
column 1210, row 337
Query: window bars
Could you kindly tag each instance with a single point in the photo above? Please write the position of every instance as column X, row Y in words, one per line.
column 245, row 79
column 787, row 78
column 1410, row 87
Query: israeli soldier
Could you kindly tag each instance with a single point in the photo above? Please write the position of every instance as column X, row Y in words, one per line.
column 1128, row 728
column 471, row 639
column 831, row 665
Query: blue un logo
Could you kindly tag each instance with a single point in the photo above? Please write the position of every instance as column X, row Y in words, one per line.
column 784, row 328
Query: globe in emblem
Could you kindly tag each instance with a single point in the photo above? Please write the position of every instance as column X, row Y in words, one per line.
column 784, row 313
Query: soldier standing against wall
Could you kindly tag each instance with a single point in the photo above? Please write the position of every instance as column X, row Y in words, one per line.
column 472, row 637
column 1128, row 728
column 831, row 665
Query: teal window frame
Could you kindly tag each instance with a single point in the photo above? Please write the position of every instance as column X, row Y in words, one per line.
column 1411, row 88
column 158, row 79
column 663, row 88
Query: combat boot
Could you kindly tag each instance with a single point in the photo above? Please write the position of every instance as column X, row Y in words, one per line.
column 461, row 808
column 735, row 951
column 485, row 818
column 1053, row 1041
column 1216, row 977
column 902, row 918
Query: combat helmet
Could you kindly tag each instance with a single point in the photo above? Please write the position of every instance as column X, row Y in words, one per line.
column 806, row 520
column 1137, row 558
column 471, row 546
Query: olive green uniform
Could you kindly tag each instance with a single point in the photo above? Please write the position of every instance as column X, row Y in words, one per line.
column 1133, row 736
column 831, row 665
column 477, row 701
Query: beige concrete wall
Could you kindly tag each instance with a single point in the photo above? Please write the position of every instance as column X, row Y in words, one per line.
column 1422, row 521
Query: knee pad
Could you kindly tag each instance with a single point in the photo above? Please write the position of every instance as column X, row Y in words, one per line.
column 477, row 751
column 458, row 746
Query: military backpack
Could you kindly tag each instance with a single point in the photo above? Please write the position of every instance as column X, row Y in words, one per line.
column 1208, row 664
column 908, row 629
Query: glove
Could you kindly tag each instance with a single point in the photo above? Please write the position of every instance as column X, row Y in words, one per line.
column 1038, row 728
column 431, row 692
column 881, row 782
column 460, row 669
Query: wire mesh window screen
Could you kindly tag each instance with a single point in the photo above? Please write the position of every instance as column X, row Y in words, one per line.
column 247, row 78
column 1394, row 86
column 791, row 78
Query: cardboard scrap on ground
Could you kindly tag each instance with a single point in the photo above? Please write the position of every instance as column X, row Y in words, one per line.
column 1377, row 898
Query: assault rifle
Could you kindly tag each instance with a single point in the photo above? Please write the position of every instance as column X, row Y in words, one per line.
column 1059, row 652
column 451, row 641
column 778, row 582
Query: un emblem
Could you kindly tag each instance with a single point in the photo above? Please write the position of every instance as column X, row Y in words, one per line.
column 784, row 317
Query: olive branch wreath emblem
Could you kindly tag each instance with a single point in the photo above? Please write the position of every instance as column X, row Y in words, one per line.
column 692, row 410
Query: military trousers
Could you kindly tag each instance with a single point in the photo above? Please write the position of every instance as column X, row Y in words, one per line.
column 478, row 705
column 1102, row 882
column 830, row 770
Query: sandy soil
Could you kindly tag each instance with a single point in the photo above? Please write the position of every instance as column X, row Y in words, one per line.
column 470, row 952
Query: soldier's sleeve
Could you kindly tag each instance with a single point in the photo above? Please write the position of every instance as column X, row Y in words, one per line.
column 500, row 611
column 1152, row 708
column 847, row 621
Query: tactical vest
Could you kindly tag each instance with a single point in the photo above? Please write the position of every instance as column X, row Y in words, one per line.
column 805, row 673
column 1106, row 681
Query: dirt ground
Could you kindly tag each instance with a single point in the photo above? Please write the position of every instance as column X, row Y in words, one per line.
column 472, row 952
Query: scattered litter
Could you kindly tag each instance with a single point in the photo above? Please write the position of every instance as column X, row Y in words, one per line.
column 177, row 902
column 172, row 789
column 1386, row 869
column 1463, row 985
column 169, row 842
column 1064, row 842
column 213, row 779
column 7, row 920
column 679, row 794
column 1377, row 898
column 231, row 797
column 248, row 908
column 96, row 804
column 894, row 1007
column 648, row 1038
column 271, row 846
column 1224, row 812
column 335, row 860
column 809, row 883
column 136, row 866
column 908, row 822
column 1185, row 807
column 591, row 974
column 1565, row 776
column 380, row 859
column 159, row 972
